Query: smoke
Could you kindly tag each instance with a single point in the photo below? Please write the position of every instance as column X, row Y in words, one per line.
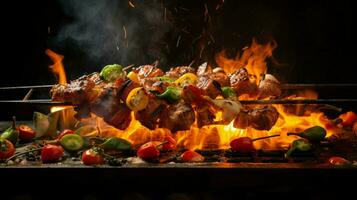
column 113, row 31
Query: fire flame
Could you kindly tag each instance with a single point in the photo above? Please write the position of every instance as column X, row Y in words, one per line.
column 57, row 68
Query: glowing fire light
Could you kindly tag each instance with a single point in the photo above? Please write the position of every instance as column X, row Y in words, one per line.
column 57, row 68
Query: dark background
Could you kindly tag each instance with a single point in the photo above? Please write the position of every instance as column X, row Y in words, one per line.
column 315, row 38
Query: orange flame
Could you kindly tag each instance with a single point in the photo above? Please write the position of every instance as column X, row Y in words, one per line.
column 57, row 68
column 253, row 59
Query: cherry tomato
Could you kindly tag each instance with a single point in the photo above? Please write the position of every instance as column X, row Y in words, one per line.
column 242, row 144
column 26, row 133
column 148, row 151
column 192, row 156
column 51, row 153
column 169, row 145
column 348, row 118
column 63, row 133
column 92, row 157
column 7, row 149
column 338, row 161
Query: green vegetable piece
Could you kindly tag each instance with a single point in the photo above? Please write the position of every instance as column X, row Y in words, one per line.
column 164, row 78
column 301, row 145
column 86, row 131
column 313, row 134
column 111, row 72
column 115, row 143
column 172, row 94
column 72, row 142
column 12, row 133
column 228, row 92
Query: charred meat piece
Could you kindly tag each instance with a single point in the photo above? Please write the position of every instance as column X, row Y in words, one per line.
column 269, row 87
column 121, row 119
column 150, row 115
column 155, row 85
column 263, row 118
column 221, row 77
column 210, row 87
column 176, row 72
column 147, row 71
column 240, row 82
column 107, row 104
column 178, row 117
column 203, row 69
column 77, row 91
column 205, row 116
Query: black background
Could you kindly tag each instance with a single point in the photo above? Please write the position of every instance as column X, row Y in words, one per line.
column 315, row 38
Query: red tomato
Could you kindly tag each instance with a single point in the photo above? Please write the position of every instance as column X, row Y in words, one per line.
column 7, row 149
column 169, row 145
column 26, row 133
column 348, row 118
column 63, row 133
column 192, row 156
column 338, row 161
column 92, row 157
column 242, row 144
column 51, row 153
column 148, row 151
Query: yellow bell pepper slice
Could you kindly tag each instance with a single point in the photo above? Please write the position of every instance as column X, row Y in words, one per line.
column 137, row 99
column 188, row 78
column 133, row 76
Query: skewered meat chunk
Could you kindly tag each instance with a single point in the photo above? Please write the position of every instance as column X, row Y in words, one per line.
column 150, row 115
column 121, row 119
column 153, row 84
column 147, row 71
column 203, row 69
column 269, row 87
column 178, row 117
column 261, row 118
column 210, row 87
column 205, row 116
column 176, row 72
column 77, row 91
column 241, row 84
column 221, row 77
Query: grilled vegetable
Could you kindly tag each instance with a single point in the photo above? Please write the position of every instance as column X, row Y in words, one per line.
column 115, row 143
column 172, row 94
column 92, row 157
column 191, row 156
column 12, row 133
column 301, row 145
column 335, row 160
column 26, row 133
column 148, row 151
column 228, row 92
column 51, row 153
column 7, row 149
column 245, row 144
column 111, row 72
column 63, row 133
column 137, row 99
column 72, row 142
column 169, row 144
column 313, row 134
column 230, row 109
column 186, row 79
column 133, row 76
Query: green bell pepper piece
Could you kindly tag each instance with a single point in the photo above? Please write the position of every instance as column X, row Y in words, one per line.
column 111, row 72
column 171, row 94
column 228, row 92
column 115, row 143
column 301, row 145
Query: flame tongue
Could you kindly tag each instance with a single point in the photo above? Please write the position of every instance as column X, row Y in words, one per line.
column 57, row 68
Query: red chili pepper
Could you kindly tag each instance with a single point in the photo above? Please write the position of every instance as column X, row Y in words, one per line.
column 148, row 151
column 192, row 156
column 7, row 149
column 26, row 133
column 51, row 153
column 92, row 157
column 63, row 133
column 169, row 145
column 348, row 118
column 245, row 144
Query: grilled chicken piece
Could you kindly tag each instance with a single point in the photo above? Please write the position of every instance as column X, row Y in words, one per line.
column 241, row 83
column 261, row 118
column 150, row 115
column 147, row 71
column 121, row 119
column 205, row 116
column 77, row 91
column 179, row 116
column 269, row 87
column 153, row 84
column 176, row 72
column 210, row 87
